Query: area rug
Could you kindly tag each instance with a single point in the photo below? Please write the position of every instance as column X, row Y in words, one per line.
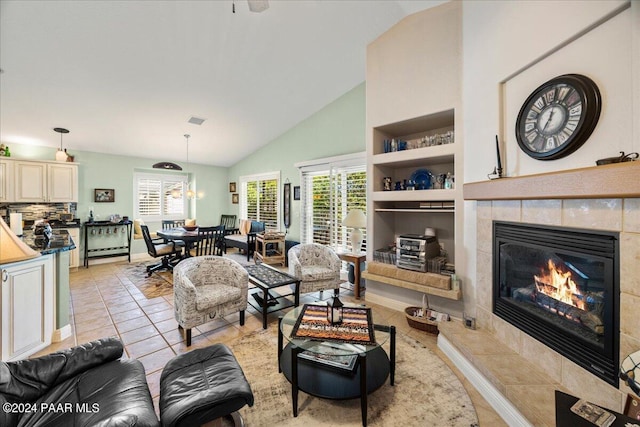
column 426, row 391
column 159, row 284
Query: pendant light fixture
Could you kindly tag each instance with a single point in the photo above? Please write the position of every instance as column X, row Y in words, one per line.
column 61, row 154
column 191, row 194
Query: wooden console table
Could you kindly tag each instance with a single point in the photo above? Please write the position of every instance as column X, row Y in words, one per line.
column 270, row 248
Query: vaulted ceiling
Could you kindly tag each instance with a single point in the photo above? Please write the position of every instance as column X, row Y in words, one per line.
column 125, row 76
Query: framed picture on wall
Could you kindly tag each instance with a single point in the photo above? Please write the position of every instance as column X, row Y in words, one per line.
column 101, row 195
column 296, row 192
column 232, row 187
column 235, row 199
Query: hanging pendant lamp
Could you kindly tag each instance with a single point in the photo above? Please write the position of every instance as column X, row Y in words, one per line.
column 191, row 194
column 61, row 154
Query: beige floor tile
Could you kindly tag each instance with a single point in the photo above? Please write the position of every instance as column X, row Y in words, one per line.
column 163, row 305
column 129, row 325
column 160, row 316
column 127, row 315
column 113, row 309
column 166, row 325
column 153, row 380
column 157, row 360
column 90, row 325
column 147, row 346
column 139, row 334
column 96, row 334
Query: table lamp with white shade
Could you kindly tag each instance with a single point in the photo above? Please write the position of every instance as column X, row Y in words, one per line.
column 355, row 219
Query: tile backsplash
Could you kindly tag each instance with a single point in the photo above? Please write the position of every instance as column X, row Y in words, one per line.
column 34, row 211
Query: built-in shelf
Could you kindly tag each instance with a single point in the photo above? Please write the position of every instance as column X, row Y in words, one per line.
column 418, row 157
column 414, row 196
column 618, row 180
column 450, row 294
column 413, row 210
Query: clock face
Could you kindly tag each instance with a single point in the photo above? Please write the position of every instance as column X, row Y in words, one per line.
column 558, row 117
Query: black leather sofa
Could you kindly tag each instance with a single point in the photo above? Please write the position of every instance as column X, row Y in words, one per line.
column 245, row 242
column 90, row 385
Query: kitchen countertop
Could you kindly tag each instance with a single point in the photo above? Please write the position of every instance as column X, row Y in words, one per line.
column 55, row 223
column 60, row 241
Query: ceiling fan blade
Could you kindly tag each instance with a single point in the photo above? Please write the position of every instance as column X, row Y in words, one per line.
column 258, row 5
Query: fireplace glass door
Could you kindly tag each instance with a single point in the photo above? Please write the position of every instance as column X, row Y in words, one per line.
column 560, row 285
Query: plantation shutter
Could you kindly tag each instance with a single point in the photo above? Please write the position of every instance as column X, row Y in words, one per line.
column 329, row 192
column 260, row 199
column 154, row 196
column 149, row 197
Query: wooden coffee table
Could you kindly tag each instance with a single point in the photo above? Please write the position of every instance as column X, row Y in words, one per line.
column 265, row 278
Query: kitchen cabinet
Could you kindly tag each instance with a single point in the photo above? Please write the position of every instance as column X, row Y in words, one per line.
column 27, row 307
column 74, row 255
column 6, row 180
column 45, row 182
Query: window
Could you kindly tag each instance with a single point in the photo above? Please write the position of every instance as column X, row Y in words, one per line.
column 155, row 196
column 330, row 189
column 259, row 198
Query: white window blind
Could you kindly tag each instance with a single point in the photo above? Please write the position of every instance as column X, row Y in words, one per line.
column 259, row 197
column 329, row 192
column 154, row 196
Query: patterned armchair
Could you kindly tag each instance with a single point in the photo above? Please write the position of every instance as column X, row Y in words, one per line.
column 208, row 287
column 316, row 266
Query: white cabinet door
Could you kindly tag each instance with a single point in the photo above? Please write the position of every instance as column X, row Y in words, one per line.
column 30, row 182
column 74, row 255
column 62, row 183
column 27, row 310
column 6, row 181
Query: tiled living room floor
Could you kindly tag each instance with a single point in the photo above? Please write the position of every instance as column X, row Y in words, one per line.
column 104, row 302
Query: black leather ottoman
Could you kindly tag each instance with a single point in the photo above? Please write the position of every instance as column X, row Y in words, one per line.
column 202, row 385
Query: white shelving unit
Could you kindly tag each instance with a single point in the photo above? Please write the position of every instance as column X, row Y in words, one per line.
column 409, row 97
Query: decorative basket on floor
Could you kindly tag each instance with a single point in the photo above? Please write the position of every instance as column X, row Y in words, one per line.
column 422, row 323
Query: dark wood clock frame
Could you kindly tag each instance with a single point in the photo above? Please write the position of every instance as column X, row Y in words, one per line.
column 591, row 106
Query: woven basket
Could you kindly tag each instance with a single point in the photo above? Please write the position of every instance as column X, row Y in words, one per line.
column 421, row 323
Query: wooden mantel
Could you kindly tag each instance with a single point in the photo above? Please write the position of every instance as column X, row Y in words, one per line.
column 618, row 180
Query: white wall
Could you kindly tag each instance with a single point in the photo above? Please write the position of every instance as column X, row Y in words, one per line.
column 510, row 42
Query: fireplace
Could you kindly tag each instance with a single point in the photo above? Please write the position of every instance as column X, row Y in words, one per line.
column 561, row 286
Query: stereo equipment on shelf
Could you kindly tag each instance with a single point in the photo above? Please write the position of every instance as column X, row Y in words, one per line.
column 414, row 250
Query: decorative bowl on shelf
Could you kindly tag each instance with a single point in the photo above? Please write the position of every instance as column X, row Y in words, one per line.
column 190, row 227
column 422, row 179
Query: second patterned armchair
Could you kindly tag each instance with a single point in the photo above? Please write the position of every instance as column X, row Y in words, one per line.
column 316, row 266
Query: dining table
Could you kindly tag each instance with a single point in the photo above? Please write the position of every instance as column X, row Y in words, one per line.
column 190, row 238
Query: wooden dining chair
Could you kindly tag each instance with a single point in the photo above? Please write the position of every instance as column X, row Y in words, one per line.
column 210, row 241
column 172, row 223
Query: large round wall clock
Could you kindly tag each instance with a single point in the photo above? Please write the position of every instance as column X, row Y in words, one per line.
column 558, row 117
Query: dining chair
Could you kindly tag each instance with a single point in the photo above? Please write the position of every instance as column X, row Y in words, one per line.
column 170, row 253
column 172, row 223
column 210, row 241
column 229, row 222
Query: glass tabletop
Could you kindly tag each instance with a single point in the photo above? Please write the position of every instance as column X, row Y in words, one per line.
column 335, row 347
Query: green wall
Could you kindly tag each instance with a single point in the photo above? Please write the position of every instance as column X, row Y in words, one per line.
column 97, row 170
column 337, row 129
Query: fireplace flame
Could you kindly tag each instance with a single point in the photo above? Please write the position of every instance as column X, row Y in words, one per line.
column 559, row 285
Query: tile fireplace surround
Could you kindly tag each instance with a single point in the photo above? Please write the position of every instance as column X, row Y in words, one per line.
column 524, row 371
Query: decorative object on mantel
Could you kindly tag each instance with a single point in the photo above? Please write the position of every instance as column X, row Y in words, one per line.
column 558, row 117
column 61, row 154
column 12, row 249
column 621, row 158
column 356, row 220
column 497, row 171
